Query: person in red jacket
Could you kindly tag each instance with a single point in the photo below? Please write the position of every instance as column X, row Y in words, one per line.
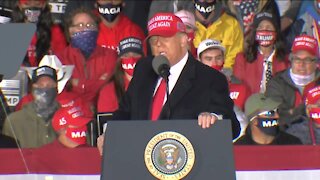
column 130, row 51
column 48, row 38
column 94, row 65
column 264, row 56
column 114, row 25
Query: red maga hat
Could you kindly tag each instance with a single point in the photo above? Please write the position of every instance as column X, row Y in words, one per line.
column 306, row 43
column 165, row 24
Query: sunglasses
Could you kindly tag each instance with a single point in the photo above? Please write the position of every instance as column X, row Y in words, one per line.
column 268, row 113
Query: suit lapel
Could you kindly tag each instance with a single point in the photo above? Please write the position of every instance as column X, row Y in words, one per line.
column 146, row 94
column 182, row 86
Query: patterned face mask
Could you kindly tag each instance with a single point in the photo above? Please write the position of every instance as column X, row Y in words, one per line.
column 266, row 38
column 44, row 99
column 85, row 40
column 32, row 14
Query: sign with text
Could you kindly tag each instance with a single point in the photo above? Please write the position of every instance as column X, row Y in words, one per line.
column 15, row 88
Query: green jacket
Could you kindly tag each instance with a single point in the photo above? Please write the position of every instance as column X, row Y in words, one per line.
column 31, row 130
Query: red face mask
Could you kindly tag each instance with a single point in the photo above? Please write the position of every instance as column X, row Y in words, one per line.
column 25, row 1
column 217, row 67
column 315, row 115
column 128, row 64
column 265, row 38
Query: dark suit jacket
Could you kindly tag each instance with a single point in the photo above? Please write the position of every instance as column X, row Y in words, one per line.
column 198, row 89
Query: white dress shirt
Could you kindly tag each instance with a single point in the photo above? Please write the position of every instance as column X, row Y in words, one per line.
column 175, row 72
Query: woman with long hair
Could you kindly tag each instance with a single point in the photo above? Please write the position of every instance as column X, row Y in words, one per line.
column 265, row 54
column 94, row 65
column 130, row 51
column 48, row 38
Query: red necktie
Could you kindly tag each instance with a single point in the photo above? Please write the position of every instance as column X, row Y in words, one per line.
column 158, row 99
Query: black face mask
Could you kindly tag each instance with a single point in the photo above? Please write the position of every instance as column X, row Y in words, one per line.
column 205, row 8
column 268, row 126
column 32, row 14
column 109, row 11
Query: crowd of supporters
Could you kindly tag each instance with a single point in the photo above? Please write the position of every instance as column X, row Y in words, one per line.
column 267, row 49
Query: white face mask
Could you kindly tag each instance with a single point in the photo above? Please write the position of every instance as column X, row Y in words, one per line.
column 301, row 80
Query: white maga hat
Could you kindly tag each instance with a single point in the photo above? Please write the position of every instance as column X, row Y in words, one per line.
column 209, row 43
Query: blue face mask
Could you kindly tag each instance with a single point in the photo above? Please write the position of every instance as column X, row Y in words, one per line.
column 85, row 40
column 268, row 126
column 109, row 11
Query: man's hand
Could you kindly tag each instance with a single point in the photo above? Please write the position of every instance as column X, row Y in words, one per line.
column 206, row 119
column 100, row 141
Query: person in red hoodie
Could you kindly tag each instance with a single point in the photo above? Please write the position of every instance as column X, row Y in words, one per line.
column 94, row 65
column 130, row 51
column 48, row 38
column 114, row 25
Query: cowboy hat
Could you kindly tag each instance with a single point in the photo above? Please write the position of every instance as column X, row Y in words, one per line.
column 64, row 72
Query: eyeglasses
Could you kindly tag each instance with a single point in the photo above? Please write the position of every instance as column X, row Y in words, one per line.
column 268, row 113
column 85, row 26
column 298, row 60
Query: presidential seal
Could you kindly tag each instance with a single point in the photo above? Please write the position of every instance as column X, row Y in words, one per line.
column 169, row 155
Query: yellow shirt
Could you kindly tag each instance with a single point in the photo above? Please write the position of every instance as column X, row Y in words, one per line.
column 227, row 30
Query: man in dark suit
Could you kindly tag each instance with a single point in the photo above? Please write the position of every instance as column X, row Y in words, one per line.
column 196, row 90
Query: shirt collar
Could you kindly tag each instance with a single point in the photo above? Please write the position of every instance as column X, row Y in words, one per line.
column 176, row 69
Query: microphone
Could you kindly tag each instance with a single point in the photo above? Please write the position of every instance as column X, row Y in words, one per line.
column 161, row 66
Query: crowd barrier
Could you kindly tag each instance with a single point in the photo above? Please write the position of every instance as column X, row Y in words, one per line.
column 251, row 162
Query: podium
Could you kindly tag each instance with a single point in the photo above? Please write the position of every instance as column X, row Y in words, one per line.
column 171, row 149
